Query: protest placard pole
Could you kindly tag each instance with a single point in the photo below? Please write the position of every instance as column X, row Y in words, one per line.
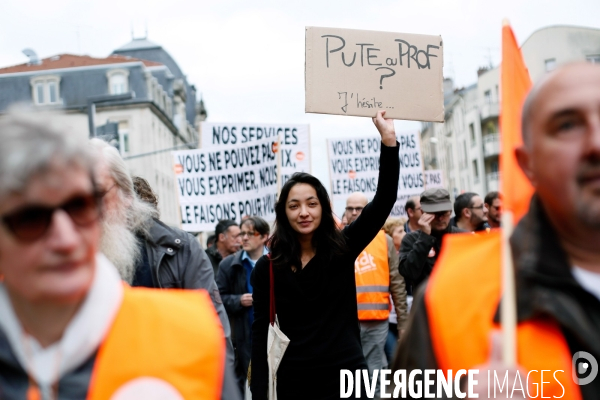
column 508, row 309
column 516, row 188
column 277, row 150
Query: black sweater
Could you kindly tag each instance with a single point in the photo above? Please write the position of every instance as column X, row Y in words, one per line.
column 316, row 307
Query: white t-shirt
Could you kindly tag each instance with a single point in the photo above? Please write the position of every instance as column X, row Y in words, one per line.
column 589, row 280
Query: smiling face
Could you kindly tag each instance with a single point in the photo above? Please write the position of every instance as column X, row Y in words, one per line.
column 303, row 209
column 562, row 154
column 59, row 265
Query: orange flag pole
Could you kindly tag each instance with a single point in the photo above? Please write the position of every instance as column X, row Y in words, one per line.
column 515, row 84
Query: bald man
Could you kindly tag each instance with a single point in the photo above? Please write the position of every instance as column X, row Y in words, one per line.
column 377, row 276
column 555, row 250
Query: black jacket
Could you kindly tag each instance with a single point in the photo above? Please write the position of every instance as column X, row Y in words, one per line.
column 215, row 257
column 545, row 289
column 232, row 283
column 416, row 258
column 178, row 261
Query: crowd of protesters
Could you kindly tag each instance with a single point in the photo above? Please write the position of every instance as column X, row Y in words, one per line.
column 100, row 299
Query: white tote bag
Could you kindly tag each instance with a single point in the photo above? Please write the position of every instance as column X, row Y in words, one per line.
column 277, row 341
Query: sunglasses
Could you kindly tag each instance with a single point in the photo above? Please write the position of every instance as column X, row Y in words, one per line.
column 31, row 223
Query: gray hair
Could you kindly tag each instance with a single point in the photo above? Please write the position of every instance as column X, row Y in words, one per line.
column 30, row 142
column 139, row 214
column 116, row 166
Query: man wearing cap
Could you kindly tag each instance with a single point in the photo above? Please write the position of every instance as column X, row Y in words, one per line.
column 419, row 249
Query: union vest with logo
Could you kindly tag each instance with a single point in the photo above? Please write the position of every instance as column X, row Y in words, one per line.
column 461, row 321
column 372, row 274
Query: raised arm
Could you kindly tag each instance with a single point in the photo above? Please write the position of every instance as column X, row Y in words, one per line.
column 362, row 231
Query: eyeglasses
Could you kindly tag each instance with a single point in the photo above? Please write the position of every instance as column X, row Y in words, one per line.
column 249, row 234
column 352, row 209
column 441, row 214
column 31, row 223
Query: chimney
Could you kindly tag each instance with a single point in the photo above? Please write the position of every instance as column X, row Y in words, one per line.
column 33, row 58
column 448, row 86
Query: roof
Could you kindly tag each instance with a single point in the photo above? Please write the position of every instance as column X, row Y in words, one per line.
column 137, row 44
column 556, row 27
column 72, row 61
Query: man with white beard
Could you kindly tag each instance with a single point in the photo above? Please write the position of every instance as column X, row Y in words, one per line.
column 147, row 252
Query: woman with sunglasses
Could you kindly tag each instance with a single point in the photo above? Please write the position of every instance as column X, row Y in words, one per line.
column 69, row 327
column 315, row 291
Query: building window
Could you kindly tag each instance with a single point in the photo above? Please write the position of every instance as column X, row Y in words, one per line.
column 472, row 132
column 550, row 64
column 118, row 81
column 124, row 137
column 487, row 95
column 494, row 166
column 39, row 90
column 465, row 158
column 46, row 90
column 475, row 171
column 490, row 127
column 594, row 58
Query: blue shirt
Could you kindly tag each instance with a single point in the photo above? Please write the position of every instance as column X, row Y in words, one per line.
column 249, row 266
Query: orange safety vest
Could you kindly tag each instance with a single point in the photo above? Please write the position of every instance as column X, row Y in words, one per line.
column 172, row 336
column 372, row 273
column 461, row 300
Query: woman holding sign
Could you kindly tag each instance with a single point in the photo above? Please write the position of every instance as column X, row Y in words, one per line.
column 314, row 286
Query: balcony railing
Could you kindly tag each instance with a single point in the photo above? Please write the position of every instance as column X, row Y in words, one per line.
column 493, row 181
column 489, row 110
column 491, row 145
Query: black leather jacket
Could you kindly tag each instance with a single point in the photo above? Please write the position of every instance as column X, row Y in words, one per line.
column 178, row 261
column 418, row 253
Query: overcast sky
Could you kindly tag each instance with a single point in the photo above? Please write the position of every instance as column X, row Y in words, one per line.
column 247, row 57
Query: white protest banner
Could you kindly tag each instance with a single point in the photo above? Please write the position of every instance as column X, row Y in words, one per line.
column 355, row 72
column 354, row 167
column 295, row 141
column 227, row 182
column 433, row 178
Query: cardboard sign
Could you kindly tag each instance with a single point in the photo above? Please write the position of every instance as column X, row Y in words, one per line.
column 295, row 141
column 433, row 179
column 354, row 72
column 354, row 167
column 226, row 182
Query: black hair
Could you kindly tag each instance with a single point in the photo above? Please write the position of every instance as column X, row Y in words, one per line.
column 222, row 226
column 463, row 201
column 327, row 239
column 258, row 224
column 211, row 240
column 410, row 204
column 491, row 196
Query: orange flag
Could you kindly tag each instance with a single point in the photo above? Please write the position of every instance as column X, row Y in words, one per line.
column 515, row 84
